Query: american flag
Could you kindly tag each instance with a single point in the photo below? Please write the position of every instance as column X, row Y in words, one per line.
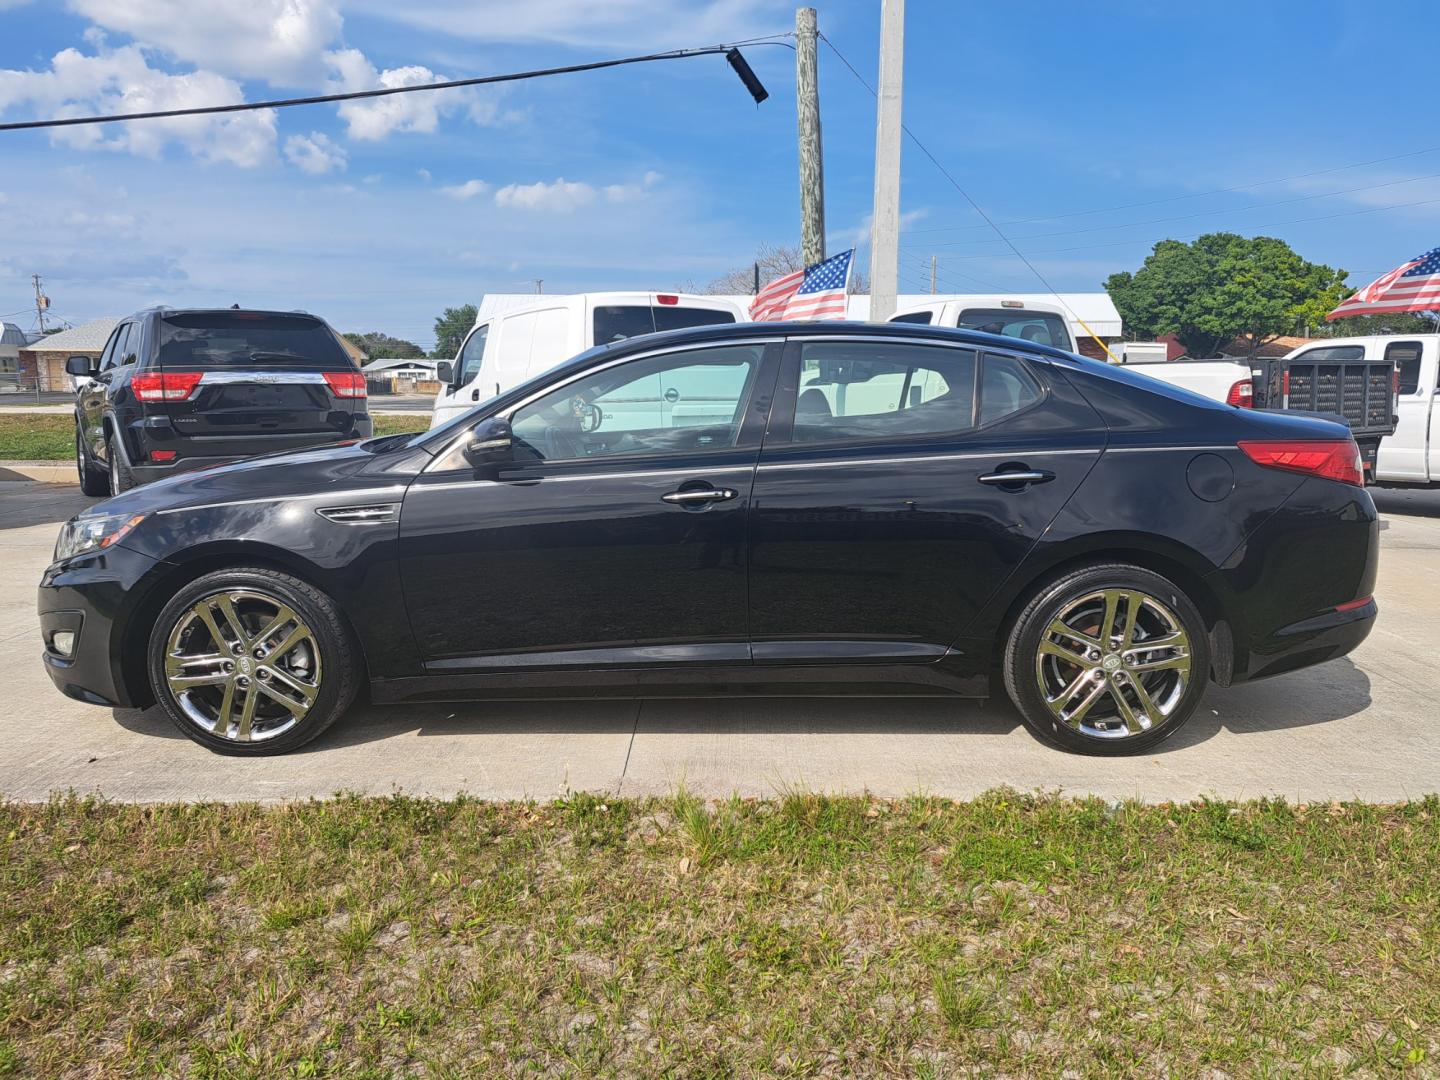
column 817, row 292
column 1415, row 286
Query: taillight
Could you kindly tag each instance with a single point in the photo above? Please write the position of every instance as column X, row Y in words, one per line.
column 1241, row 395
column 1395, row 382
column 165, row 385
column 1285, row 384
column 1333, row 459
column 346, row 384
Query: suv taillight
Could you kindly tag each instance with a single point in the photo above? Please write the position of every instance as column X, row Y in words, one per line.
column 346, row 384
column 1333, row 459
column 1241, row 395
column 165, row 385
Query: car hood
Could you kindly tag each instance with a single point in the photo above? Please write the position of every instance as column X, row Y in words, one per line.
column 334, row 468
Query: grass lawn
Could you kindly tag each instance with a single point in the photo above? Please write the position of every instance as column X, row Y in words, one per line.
column 807, row 936
column 51, row 437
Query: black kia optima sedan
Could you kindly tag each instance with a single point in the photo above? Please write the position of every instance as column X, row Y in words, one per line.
column 765, row 508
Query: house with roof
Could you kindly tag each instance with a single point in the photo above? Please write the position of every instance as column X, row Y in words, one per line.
column 12, row 340
column 43, row 361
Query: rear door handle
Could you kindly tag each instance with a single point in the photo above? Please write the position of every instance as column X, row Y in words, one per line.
column 1019, row 477
column 701, row 495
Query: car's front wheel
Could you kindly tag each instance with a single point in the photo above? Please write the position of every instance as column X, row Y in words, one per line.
column 1107, row 659
column 252, row 661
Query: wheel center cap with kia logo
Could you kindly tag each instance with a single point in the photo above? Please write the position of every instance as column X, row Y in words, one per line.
column 1112, row 662
column 244, row 665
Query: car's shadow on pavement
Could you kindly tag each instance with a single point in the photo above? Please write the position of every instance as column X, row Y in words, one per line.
column 1320, row 695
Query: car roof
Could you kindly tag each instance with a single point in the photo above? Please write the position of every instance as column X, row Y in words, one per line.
column 831, row 329
column 162, row 310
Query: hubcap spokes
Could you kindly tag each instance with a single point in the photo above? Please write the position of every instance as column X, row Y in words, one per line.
column 243, row 665
column 1113, row 664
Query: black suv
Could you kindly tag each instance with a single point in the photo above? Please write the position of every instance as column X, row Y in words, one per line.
column 181, row 389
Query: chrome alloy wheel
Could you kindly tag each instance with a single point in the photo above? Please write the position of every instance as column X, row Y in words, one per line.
column 1113, row 664
column 243, row 665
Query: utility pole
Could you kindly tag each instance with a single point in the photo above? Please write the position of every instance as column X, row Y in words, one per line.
column 885, row 227
column 812, row 164
column 41, row 302
column 539, row 284
column 932, row 275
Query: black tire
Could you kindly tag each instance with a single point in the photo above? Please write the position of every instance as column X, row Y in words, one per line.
column 336, row 663
column 1103, row 730
column 93, row 479
column 121, row 479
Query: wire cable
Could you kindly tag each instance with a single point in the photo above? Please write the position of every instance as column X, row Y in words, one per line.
column 977, row 208
column 353, row 95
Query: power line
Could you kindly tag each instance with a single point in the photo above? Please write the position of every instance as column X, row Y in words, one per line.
column 450, row 84
column 977, row 208
column 1204, row 213
column 1196, row 194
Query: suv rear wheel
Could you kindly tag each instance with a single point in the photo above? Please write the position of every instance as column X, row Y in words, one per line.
column 252, row 661
column 1107, row 659
column 121, row 478
column 93, row 480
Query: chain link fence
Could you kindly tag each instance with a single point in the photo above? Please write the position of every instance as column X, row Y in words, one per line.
column 25, row 388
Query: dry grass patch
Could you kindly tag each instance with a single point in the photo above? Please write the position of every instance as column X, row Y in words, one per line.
column 806, row 936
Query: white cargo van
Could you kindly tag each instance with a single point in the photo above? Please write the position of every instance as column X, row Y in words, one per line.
column 1028, row 320
column 509, row 347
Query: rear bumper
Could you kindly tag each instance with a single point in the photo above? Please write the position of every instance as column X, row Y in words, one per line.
column 203, row 453
column 1280, row 591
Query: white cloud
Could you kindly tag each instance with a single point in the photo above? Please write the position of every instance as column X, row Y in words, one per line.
column 121, row 80
column 314, row 153
column 424, row 174
column 282, row 41
column 563, row 196
column 376, row 118
column 468, row 190
column 634, row 24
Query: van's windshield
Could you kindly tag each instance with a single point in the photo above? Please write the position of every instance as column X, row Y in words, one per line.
column 1041, row 327
column 617, row 322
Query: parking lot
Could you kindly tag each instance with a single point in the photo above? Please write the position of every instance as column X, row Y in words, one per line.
column 1367, row 726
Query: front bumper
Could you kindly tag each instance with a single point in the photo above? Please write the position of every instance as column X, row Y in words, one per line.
column 91, row 596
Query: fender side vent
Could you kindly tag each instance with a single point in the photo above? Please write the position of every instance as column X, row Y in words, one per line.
column 372, row 514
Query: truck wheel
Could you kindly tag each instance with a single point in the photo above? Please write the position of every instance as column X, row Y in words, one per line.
column 93, row 480
column 121, row 478
column 1107, row 659
column 251, row 661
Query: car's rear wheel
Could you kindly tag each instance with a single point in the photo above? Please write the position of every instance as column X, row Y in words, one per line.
column 1107, row 659
column 252, row 661
column 121, row 478
column 93, row 480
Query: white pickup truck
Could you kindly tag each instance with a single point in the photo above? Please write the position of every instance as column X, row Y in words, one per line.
column 1411, row 455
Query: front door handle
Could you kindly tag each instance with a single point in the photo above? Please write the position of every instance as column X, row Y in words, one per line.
column 1018, row 478
column 700, row 495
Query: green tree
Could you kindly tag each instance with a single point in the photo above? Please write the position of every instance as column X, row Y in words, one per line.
column 376, row 345
column 450, row 330
column 1225, row 286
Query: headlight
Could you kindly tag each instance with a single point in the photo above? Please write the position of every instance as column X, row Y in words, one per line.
column 82, row 534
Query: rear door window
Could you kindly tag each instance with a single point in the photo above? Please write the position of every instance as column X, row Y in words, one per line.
column 619, row 322
column 1405, row 355
column 877, row 390
column 115, row 348
column 248, row 340
column 1040, row 327
column 1005, row 387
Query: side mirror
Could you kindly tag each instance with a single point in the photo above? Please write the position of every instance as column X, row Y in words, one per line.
column 490, row 442
column 445, row 372
column 80, row 365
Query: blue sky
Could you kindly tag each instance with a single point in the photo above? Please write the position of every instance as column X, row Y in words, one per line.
column 378, row 215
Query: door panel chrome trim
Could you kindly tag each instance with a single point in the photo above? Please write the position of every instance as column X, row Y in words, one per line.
column 729, row 652
column 700, row 473
column 904, row 459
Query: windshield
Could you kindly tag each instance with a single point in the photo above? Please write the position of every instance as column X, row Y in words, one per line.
column 248, row 338
column 1041, row 327
column 456, row 423
column 618, row 322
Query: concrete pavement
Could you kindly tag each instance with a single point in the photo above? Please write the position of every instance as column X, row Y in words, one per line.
column 1367, row 726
